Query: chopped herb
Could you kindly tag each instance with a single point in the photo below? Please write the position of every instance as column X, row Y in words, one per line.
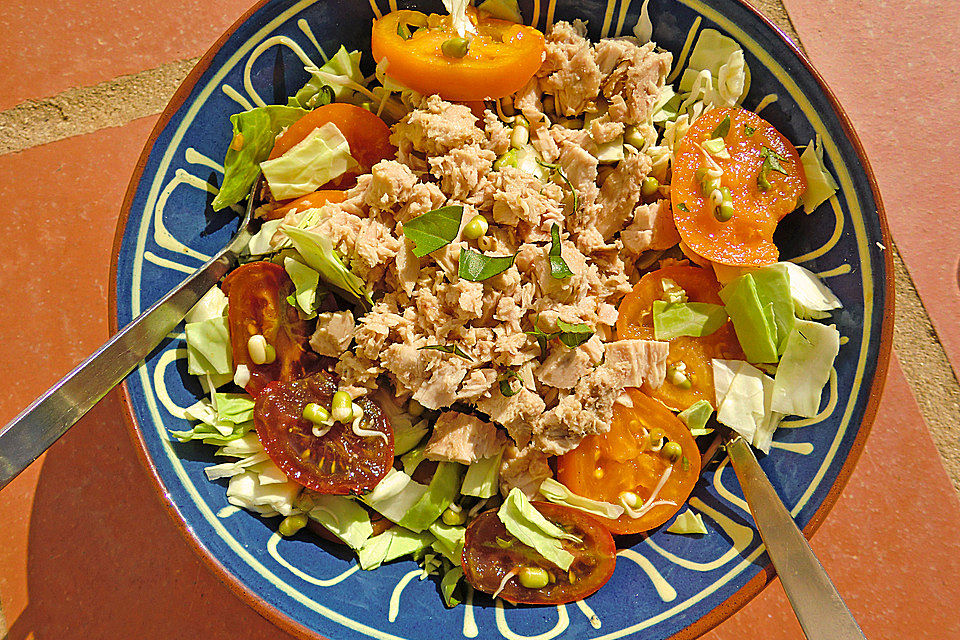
column 771, row 162
column 574, row 335
column 477, row 267
column 403, row 30
column 506, row 384
column 448, row 348
column 541, row 336
column 748, row 130
column 722, row 129
column 555, row 169
column 558, row 267
column 434, row 229
column 683, row 207
column 685, row 463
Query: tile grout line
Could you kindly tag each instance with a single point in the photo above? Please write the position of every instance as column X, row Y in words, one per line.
column 82, row 110
column 927, row 369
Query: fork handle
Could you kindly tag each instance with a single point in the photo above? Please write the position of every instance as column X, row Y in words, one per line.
column 818, row 606
column 41, row 424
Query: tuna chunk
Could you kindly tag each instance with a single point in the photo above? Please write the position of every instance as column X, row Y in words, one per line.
column 392, row 183
column 635, row 73
column 459, row 437
column 652, row 228
column 564, row 367
column 620, row 194
column 334, row 333
column 441, row 389
column 515, row 413
column 569, row 72
column 524, row 469
column 437, row 128
column 639, row 360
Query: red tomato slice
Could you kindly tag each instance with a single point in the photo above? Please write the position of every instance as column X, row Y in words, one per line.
column 367, row 135
column 747, row 237
column 635, row 321
column 339, row 462
column 606, row 465
column 313, row 200
column 490, row 552
column 257, row 294
column 500, row 60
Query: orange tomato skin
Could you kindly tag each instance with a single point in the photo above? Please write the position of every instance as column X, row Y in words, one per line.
column 367, row 135
column 606, row 465
column 501, row 59
column 310, row 201
column 635, row 321
column 746, row 239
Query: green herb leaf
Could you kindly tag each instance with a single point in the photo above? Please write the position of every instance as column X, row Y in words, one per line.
column 683, row 207
column 434, row 229
column 722, row 129
column 574, row 335
column 748, row 130
column 541, row 336
column 447, row 348
column 558, row 266
column 771, row 162
column 477, row 267
column 506, row 386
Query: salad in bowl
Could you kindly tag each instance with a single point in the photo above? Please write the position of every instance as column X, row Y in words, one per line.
column 508, row 284
column 499, row 290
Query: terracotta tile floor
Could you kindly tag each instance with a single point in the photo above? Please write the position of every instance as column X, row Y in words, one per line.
column 86, row 550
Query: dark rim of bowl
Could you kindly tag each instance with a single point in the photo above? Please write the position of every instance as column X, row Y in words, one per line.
column 720, row 613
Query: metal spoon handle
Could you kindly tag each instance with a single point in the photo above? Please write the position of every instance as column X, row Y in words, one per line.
column 819, row 608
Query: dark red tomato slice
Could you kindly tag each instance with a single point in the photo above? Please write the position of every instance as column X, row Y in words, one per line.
column 257, row 294
column 490, row 552
column 340, row 461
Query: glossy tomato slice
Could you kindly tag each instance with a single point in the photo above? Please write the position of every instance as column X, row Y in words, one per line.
column 605, row 466
column 257, row 294
column 501, row 58
column 338, row 462
column 635, row 321
column 367, row 135
column 747, row 237
column 490, row 552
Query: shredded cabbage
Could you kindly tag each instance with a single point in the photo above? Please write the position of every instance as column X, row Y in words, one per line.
column 559, row 493
column 341, row 516
column 318, row 252
column 811, row 298
column 805, row 368
column 688, row 523
column 317, row 159
column 208, row 347
column 820, row 183
column 530, row 527
column 306, row 281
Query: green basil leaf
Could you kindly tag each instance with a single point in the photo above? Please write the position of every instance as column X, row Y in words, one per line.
column 683, row 207
column 748, row 130
column 506, row 386
column 448, row 348
column 771, row 162
column 558, row 266
column 722, row 129
column 574, row 335
column 434, row 229
column 477, row 267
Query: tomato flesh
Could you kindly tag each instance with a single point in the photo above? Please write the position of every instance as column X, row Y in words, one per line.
column 339, row 462
column 635, row 321
column 746, row 238
column 490, row 552
column 501, row 58
column 606, row 465
column 367, row 135
column 313, row 200
column 257, row 294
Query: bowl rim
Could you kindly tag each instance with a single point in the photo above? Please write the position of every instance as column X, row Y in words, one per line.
column 725, row 609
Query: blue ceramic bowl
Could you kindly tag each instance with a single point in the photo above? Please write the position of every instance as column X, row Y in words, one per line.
column 664, row 585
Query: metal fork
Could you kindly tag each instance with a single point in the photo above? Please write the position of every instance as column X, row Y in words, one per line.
column 48, row 417
column 815, row 600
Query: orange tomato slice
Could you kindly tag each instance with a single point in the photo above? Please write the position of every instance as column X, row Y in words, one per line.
column 635, row 321
column 501, row 58
column 745, row 239
column 606, row 465
column 367, row 135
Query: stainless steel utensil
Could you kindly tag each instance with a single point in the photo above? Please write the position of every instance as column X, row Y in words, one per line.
column 819, row 608
column 38, row 426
